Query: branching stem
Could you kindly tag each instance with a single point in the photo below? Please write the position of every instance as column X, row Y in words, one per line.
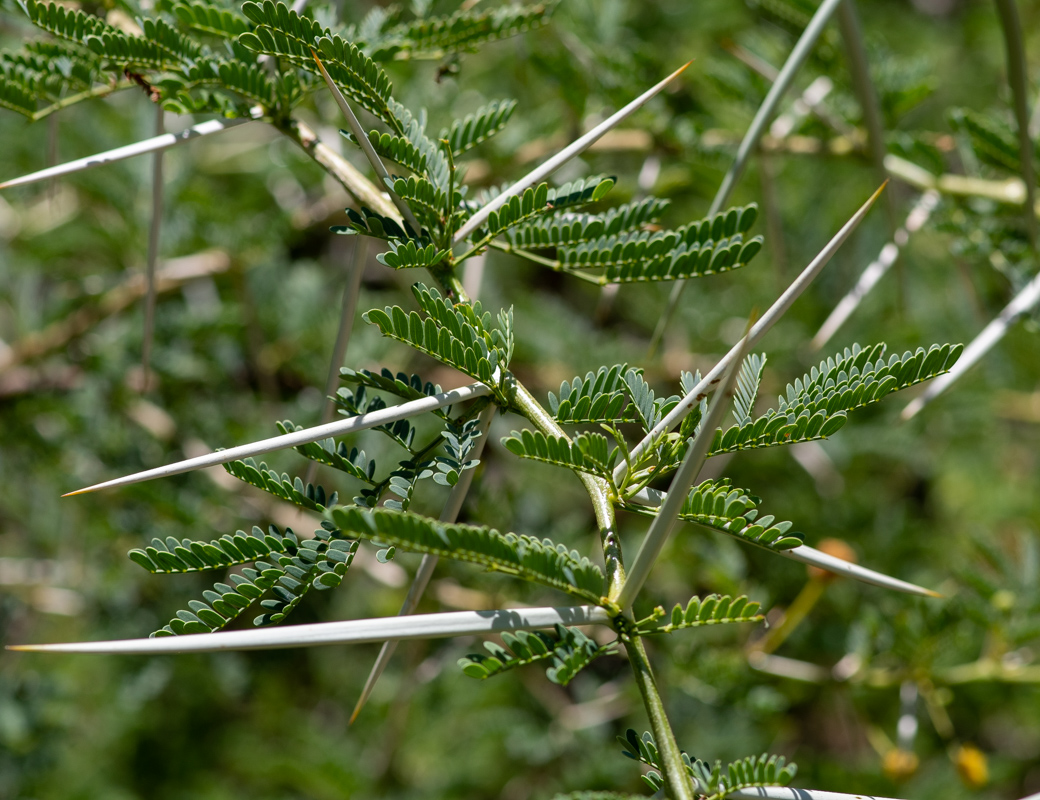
column 676, row 781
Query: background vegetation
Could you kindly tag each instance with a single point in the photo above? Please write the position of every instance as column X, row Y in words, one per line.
column 949, row 500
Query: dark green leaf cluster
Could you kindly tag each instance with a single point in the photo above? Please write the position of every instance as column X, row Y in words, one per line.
column 572, row 228
column 172, row 556
column 478, row 127
column 700, row 248
column 712, row 610
column 459, row 441
column 282, row 486
column 649, row 408
column 721, row 507
column 623, row 253
column 346, row 459
column 409, row 387
column 992, row 139
column 319, row 563
column 463, row 30
column 587, row 452
column 368, row 222
column 570, row 652
column 599, row 397
column 522, row 556
column 711, row 783
column 461, row 336
column 211, row 19
column 355, row 403
column 405, row 255
column 817, row 404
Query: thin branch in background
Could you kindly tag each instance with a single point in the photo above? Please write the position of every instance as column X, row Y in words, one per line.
column 154, row 233
column 128, row 151
column 360, row 422
column 172, row 275
column 758, row 125
column 358, row 253
column 770, row 318
column 1023, row 302
column 877, row 268
column 668, row 515
column 859, row 67
column 449, row 514
column 812, row 100
column 1017, row 78
column 576, row 148
column 366, row 147
column 1011, row 191
column 356, row 631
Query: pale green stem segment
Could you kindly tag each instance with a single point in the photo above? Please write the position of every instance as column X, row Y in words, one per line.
column 668, row 515
column 450, row 513
column 574, row 149
column 338, row 428
column 777, row 310
column 367, row 149
column 676, row 779
column 765, row 112
column 1017, row 78
column 88, row 94
column 859, row 67
column 597, row 488
column 154, row 232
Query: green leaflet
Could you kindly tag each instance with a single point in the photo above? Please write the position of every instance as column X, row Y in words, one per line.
column 599, row 397
column 349, row 460
column 721, row 507
column 408, row 387
column 522, row 556
column 817, row 404
column 210, row 19
column 462, row 31
column 318, row 563
column 395, row 148
column 570, row 652
column 172, row 556
column 478, row 127
column 992, row 139
column 460, row 335
column 572, row 229
column 310, row 496
column 282, row 32
column 588, row 452
column 711, row 610
column 711, row 782
column 368, row 222
column 624, row 254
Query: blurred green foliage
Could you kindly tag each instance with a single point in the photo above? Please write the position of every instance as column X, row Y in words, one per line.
column 949, row 500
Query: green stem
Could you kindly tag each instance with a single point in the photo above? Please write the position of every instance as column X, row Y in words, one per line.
column 676, row 780
column 65, row 102
column 1016, row 60
column 596, row 487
